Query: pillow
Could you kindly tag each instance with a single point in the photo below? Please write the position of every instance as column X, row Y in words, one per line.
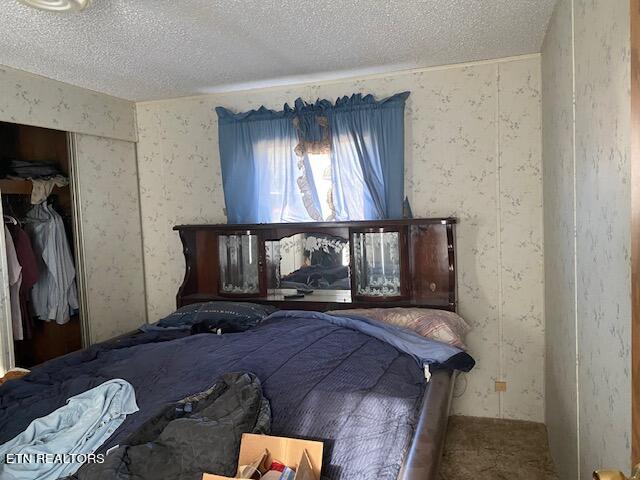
column 242, row 315
column 441, row 325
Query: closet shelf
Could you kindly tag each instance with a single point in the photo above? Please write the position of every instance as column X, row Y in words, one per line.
column 15, row 187
column 19, row 187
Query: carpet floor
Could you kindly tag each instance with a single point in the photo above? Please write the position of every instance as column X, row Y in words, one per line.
column 498, row 449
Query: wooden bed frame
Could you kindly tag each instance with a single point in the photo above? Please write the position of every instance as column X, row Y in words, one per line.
column 428, row 280
column 422, row 461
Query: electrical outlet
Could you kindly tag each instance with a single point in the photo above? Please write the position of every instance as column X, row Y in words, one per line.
column 501, row 386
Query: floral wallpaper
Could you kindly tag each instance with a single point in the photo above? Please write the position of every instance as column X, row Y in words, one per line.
column 559, row 241
column 472, row 151
column 110, row 217
column 33, row 100
column 587, row 191
column 521, row 238
column 603, row 213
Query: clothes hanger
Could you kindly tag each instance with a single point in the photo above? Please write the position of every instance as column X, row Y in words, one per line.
column 10, row 219
column 9, row 203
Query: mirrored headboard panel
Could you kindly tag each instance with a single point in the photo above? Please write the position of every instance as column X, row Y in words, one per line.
column 308, row 262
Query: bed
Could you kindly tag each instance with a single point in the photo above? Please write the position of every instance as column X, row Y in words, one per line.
column 329, row 378
column 359, row 395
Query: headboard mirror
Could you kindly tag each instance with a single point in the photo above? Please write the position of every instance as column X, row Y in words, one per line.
column 307, row 262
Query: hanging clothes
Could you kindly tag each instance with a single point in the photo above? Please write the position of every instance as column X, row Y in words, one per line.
column 30, row 275
column 54, row 296
column 15, row 280
column 42, row 187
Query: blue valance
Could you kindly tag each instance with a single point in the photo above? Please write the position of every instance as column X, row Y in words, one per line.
column 300, row 107
column 268, row 160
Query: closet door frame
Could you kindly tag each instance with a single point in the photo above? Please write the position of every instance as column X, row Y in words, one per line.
column 78, row 241
column 7, row 359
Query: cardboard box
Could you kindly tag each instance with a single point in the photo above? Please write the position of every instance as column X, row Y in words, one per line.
column 290, row 451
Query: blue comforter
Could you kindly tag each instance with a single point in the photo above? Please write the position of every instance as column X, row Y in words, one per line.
column 327, row 381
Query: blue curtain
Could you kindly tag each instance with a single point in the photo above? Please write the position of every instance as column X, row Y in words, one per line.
column 367, row 156
column 259, row 167
column 265, row 157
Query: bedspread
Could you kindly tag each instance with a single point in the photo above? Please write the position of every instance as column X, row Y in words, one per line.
column 356, row 393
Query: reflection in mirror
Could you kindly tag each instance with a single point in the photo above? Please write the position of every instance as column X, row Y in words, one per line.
column 308, row 261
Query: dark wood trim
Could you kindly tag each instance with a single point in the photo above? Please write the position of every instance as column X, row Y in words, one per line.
column 321, row 306
column 405, row 274
column 352, row 262
column 451, row 249
column 188, row 248
column 22, row 187
column 262, row 263
column 634, row 14
column 422, row 461
column 314, row 226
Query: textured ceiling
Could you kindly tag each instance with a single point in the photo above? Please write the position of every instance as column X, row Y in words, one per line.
column 151, row 49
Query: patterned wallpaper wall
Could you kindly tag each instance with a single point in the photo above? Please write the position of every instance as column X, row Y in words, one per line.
column 589, row 282
column 472, row 151
column 34, row 100
column 603, row 213
column 559, row 242
column 110, row 216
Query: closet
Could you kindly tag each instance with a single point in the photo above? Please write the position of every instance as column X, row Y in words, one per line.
column 44, row 153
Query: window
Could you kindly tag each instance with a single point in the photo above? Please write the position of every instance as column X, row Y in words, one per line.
column 314, row 162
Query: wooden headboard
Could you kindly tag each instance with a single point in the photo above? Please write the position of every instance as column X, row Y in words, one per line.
column 426, row 263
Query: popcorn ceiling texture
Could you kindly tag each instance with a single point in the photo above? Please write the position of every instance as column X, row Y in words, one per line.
column 147, row 49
